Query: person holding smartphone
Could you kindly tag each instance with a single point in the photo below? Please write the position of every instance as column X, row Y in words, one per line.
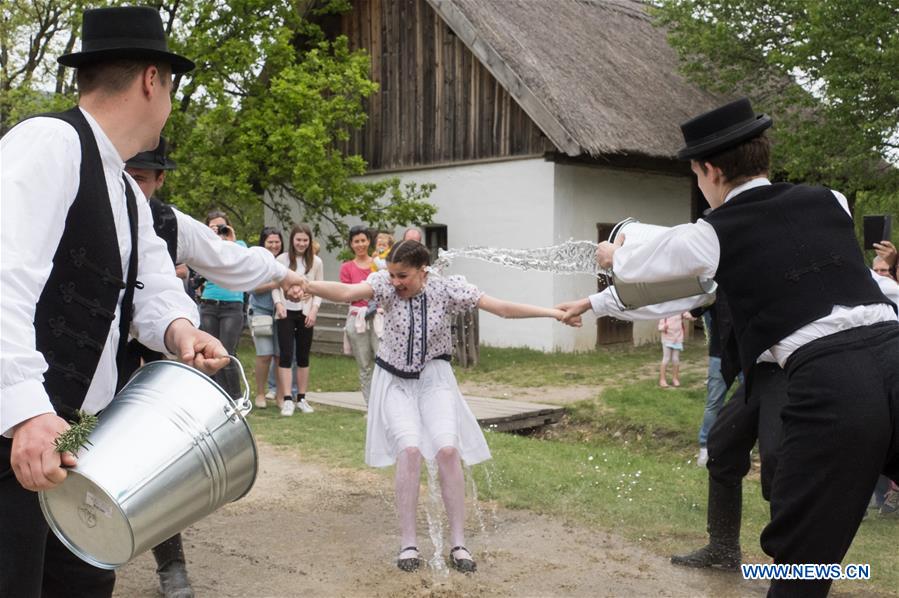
column 221, row 309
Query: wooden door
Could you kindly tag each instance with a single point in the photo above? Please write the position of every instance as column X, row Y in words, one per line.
column 610, row 330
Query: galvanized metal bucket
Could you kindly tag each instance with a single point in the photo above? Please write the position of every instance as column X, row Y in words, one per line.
column 170, row 449
column 636, row 232
column 631, row 295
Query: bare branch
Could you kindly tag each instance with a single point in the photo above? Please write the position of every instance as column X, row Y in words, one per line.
column 60, row 69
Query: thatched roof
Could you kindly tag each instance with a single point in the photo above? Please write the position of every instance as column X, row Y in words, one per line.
column 595, row 75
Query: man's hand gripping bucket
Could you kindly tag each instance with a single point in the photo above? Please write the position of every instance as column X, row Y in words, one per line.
column 170, row 449
column 631, row 295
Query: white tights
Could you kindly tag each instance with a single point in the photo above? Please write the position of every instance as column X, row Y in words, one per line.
column 452, row 488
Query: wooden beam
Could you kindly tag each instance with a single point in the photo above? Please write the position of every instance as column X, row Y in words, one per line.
column 490, row 58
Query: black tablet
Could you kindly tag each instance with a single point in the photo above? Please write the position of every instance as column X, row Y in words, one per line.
column 877, row 229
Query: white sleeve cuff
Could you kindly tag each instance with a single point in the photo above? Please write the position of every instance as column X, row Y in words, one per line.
column 23, row 401
column 280, row 271
column 156, row 341
column 599, row 302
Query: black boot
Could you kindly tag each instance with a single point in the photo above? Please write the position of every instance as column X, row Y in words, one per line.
column 723, row 549
column 171, row 569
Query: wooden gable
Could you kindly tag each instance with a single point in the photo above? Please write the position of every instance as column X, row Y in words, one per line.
column 437, row 103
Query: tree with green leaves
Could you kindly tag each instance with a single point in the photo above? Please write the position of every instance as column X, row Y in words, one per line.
column 827, row 71
column 261, row 120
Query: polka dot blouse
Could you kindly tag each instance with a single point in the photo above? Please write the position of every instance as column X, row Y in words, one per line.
column 417, row 330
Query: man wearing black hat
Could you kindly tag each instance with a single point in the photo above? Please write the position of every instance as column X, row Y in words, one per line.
column 227, row 264
column 81, row 268
column 787, row 257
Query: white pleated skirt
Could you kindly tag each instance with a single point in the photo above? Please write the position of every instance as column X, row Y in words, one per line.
column 428, row 413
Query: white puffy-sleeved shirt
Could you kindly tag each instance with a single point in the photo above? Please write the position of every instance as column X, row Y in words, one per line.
column 689, row 250
column 227, row 264
column 604, row 303
column 888, row 287
column 417, row 330
column 39, row 178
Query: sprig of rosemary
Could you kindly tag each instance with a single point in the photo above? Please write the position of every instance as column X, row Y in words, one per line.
column 76, row 437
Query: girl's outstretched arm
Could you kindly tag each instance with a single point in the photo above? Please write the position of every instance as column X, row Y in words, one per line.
column 338, row 291
column 507, row 309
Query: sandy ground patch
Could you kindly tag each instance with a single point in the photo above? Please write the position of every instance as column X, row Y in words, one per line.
column 308, row 530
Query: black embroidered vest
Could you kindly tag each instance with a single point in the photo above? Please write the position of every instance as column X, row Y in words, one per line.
column 788, row 256
column 73, row 315
column 166, row 226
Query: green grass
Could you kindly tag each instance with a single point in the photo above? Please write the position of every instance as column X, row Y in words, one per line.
column 335, row 436
column 530, row 368
column 328, row 373
column 653, row 419
column 622, row 462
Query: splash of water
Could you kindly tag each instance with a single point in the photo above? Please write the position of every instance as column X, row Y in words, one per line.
column 486, row 521
column 433, row 508
column 479, row 513
column 570, row 257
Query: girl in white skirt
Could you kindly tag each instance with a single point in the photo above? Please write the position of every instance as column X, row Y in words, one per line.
column 415, row 408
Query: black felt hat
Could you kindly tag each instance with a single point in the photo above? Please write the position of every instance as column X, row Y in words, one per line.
column 153, row 160
column 720, row 129
column 129, row 32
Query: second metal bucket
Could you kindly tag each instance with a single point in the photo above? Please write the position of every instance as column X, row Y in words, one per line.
column 631, row 295
column 170, row 449
column 636, row 232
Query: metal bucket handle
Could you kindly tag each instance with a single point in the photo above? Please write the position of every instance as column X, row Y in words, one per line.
column 243, row 405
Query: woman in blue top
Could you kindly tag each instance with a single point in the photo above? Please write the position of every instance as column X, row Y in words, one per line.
column 261, row 304
column 221, row 310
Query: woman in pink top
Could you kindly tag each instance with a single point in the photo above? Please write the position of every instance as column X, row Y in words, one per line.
column 358, row 329
column 672, row 329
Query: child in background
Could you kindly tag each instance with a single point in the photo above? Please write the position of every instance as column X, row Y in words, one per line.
column 672, row 329
column 383, row 245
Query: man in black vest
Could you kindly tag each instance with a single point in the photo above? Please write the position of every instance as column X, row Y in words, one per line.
column 227, row 264
column 787, row 257
column 81, row 269
column 148, row 170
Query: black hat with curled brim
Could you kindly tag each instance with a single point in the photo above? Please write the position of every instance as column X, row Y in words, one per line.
column 125, row 32
column 153, row 160
column 720, row 129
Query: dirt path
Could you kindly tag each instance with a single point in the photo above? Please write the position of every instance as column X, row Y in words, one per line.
column 563, row 395
column 307, row 530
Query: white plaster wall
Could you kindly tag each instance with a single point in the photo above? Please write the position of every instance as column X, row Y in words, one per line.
column 497, row 204
column 587, row 195
column 533, row 203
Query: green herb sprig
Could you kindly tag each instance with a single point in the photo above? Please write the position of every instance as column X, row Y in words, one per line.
column 76, row 437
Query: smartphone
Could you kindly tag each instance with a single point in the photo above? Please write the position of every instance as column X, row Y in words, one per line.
column 877, row 228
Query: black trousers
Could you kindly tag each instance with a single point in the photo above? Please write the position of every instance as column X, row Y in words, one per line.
column 840, row 431
column 33, row 562
column 292, row 332
column 742, row 421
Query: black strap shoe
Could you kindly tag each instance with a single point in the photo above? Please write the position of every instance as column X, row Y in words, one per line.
column 409, row 564
column 463, row 565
